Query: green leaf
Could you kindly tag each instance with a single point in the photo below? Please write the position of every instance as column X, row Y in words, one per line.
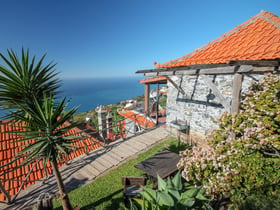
column 164, row 199
column 199, row 196
column 149, row 194
column 190, row 193
column 143, row 204
column 161, row 183
column 61, row 149
column 169, row 184
column 188, row 202
column 133, row 203
column 175, row 194
column 177, row 181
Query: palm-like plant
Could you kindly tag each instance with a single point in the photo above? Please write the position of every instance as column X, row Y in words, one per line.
column 28, row 88
column 45, row 125
column 22, row 79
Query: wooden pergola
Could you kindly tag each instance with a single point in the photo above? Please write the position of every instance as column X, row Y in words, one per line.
column 148, row 82
column 236, row 67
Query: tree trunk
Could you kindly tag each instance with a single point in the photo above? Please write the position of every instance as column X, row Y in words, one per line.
column 63, row 195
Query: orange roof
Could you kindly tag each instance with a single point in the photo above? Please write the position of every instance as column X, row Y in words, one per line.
column 153, row 79
column 140, row 119
column 9, row 147
column 256, row 39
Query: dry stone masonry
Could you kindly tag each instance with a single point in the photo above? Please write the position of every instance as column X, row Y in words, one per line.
column 199, row 107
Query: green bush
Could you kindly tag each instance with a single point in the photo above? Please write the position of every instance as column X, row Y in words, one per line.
column 243, row 157
column 260, row 202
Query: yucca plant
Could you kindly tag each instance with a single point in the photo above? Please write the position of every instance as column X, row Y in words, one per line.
column 23, row 78
column 45, row 124
column 29, row 89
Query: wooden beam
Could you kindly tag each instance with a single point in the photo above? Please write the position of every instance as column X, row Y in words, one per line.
column 150, row 70
column 167, row 73
column 147, row 99
column 259, row 63
column 264, row 69
column 189, row 67
column 188, row 72
column 218, row 70
column 175, row 85
column 212, row 69
column 236, row 93
column 245, row 68
column 216, row 92
column 151, row 74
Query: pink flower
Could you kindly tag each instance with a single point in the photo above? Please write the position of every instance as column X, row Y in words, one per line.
column 263, row 141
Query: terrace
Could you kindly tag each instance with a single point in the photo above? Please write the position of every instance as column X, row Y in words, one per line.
column 87, row 168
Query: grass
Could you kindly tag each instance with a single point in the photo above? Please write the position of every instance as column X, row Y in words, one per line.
column 106, row 191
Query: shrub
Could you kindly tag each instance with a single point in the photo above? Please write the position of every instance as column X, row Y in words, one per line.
column 172, row 194
column 243, row 157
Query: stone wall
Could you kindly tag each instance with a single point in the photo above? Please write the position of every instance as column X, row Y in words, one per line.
column 199, row 107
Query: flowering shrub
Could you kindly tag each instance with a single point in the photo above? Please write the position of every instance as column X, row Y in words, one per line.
column 243, row 157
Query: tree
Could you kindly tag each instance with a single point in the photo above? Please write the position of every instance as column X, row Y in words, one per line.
column 45, row 125
column 20, row 81
column 28, row 88
column 249, row 163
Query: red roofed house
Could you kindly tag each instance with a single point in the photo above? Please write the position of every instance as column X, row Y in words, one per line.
column 135, row 121
column 210, row 80
column 140, row 118
column 12, row 180
column 148, row 81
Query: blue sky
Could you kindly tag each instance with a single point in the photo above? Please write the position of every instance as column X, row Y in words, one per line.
column 102, row 38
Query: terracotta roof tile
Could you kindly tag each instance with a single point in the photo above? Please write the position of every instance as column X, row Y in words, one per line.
column 140, row 119
column 256, row 39
column 9, row 148
column 153, row 79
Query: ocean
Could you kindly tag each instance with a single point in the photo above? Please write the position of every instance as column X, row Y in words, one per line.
column 88, row 93
column 92, row 92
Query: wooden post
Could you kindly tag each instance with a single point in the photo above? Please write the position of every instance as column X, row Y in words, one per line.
column 236, row 93
column 147, row 99
column 236, row 96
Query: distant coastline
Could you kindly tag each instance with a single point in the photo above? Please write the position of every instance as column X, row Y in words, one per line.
column 88, row 93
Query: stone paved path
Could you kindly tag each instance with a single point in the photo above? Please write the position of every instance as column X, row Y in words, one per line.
column 87, row 167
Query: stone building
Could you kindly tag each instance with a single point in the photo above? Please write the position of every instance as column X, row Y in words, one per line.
column 211, row 80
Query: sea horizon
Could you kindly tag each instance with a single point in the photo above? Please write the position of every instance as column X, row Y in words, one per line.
column 88, row 93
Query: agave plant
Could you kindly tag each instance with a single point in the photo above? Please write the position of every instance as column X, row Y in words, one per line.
column 173, row 195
